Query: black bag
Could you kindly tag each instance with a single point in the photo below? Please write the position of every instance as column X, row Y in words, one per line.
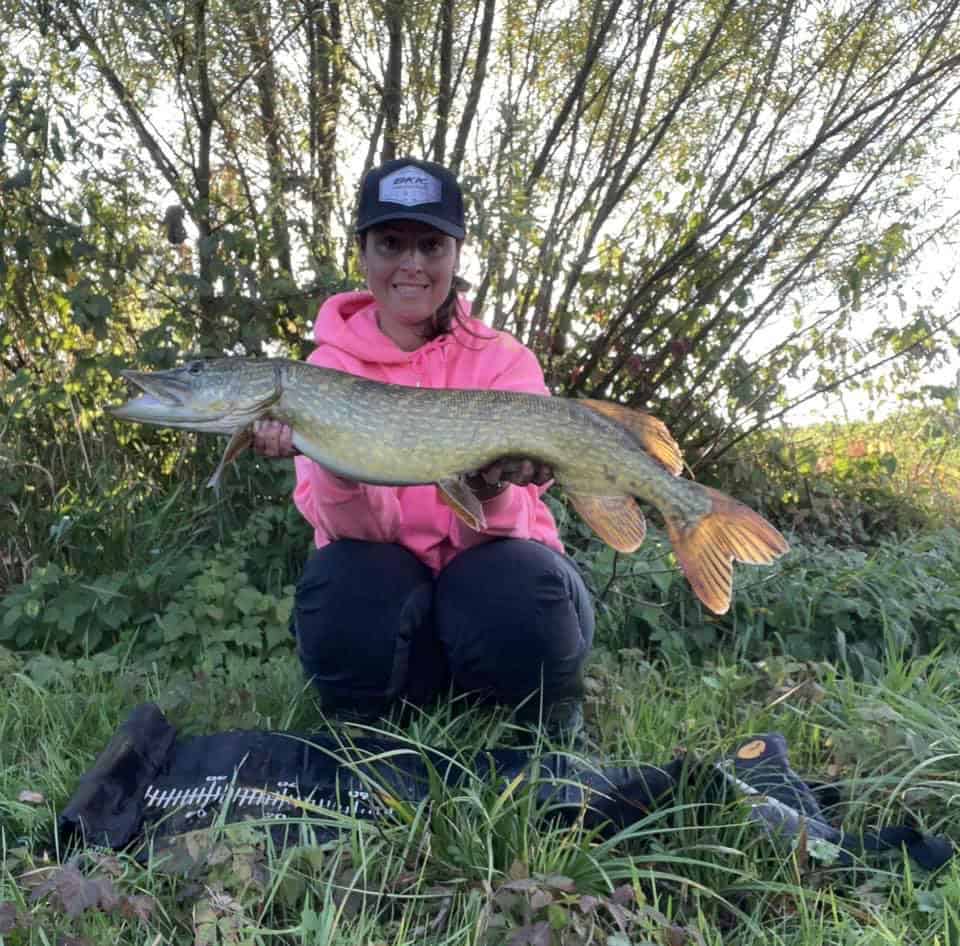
column 147, row 783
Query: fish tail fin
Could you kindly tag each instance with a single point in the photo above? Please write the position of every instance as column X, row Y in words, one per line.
column 707, row 549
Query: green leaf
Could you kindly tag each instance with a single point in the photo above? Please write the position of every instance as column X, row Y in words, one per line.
column 116, row 613
column 9, row 621
column 23, row 247
column 663, row 578
column 248, row 600
column 58, row 262
column 648, row 614
column 557, row 916
column 98, row 307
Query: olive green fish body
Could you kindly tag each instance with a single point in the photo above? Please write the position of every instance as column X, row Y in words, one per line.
column 399, row 435
column 603, row 455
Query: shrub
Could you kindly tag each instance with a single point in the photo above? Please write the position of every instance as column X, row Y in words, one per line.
column 187, row 606
column 817, row 603
column 855, row 483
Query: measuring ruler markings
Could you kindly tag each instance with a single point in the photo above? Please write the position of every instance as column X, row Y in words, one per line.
column 217, row 790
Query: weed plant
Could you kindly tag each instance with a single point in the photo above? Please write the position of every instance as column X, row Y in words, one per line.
column 849, row 605
column 204, row 605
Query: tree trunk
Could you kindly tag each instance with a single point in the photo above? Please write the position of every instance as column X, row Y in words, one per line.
column 325, row 78
column 476, row 86
column 445, row 83
column 392, row 89
column 258, row 34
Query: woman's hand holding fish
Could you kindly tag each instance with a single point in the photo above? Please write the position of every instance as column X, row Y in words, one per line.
column 494, row 479
column 273, row 439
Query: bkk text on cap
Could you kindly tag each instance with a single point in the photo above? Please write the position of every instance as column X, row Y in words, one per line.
column 409, row 189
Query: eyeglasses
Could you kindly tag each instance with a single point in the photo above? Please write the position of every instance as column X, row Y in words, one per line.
column 395, row 245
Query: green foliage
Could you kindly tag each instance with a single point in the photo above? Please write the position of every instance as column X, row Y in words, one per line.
column 817, row 603
column 196, row 607
column 645, row 214
column 203, row 583
column 855, row 483
column 220, row 616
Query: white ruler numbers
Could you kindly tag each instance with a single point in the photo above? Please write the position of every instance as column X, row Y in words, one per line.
column 217, row 791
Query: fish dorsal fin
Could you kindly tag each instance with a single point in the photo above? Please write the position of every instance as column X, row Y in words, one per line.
column 651, row 432
column 616, row 519
column 463, row 501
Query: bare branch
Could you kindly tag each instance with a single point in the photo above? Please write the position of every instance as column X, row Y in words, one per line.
column 476, row 86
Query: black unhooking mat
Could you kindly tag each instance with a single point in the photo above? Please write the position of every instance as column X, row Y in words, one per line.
column 148, row 784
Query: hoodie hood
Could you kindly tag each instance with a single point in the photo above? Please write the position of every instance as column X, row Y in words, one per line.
column 348, row 321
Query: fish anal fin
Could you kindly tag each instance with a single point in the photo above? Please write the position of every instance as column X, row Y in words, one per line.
column 652, row 433
column 463, row 501
column 707, row 550
column 616, row 519
column 239, row 441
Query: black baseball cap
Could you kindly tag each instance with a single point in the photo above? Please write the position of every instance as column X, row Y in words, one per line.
column 409, row 189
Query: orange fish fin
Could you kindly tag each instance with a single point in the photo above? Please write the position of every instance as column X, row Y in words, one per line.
column 651, row 432
column 729, row 532
column 463, row 501
column 616, row 519
column 239, row 441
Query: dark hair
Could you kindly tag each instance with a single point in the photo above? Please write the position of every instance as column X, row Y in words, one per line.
column 448, row 311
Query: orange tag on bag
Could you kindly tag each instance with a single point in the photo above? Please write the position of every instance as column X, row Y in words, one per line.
column 752, row 750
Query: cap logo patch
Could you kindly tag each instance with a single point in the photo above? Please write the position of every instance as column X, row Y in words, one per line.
column 410, row 186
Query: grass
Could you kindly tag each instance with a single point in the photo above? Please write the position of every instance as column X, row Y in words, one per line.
column 477, row 866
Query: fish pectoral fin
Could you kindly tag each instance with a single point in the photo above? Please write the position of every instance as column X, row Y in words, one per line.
column 652, row 433
column 463, row 501
column 616, row 519
column 707, row 549
column 239, row 441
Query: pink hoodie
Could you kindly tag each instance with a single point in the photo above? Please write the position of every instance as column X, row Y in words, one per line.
column 349, row 339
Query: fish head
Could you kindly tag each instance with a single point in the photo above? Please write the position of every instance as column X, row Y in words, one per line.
column 217, row 396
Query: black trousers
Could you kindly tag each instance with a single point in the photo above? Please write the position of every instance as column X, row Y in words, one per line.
column 501, row 621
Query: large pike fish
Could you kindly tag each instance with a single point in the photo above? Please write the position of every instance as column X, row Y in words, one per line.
column 603, row 454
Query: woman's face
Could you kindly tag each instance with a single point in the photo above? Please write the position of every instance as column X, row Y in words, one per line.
column 409, row 268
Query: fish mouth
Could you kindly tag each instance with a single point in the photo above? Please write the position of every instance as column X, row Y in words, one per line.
column 169, row 390
column 167, row 400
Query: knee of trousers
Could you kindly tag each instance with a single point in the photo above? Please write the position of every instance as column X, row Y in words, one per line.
column 516, row 620
column 357, row 608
